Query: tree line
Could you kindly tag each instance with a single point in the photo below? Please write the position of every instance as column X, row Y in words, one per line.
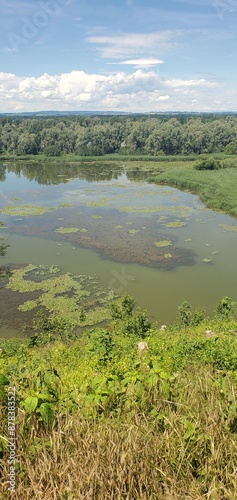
column 136, row 135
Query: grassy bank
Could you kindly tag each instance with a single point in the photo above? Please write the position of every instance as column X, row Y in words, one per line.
column 99, row 419
column 217, row 189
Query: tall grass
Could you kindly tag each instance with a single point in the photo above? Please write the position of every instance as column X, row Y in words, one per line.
column 217, row 189
column 189, row 451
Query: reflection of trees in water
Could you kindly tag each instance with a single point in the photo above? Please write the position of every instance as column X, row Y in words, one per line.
column 2, row 172
column 48, row 173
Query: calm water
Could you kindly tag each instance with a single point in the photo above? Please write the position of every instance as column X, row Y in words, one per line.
column 145, row 240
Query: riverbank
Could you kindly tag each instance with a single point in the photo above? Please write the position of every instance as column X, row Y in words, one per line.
column 217, row 189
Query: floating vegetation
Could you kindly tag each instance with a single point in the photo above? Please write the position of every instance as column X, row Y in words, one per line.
column 65, row 230
column 167, row 255
column 133, row 231
column 96, row 217
column 228, row 227
column 60, row 218
column 128, row 223
column 63, row 295
column 103, row 202
column 163, row 243
column 177, row 223
column 140, row 210
column 162, row 218
column 182, row 211
column 28, row 305
column 118, row 227
column 207, row 260
column 65, row 205
column 25, row 210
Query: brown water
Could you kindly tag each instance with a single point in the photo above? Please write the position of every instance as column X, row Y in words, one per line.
column 145, row 240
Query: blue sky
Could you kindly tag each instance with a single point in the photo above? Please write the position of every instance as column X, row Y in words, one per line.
column 124, row 55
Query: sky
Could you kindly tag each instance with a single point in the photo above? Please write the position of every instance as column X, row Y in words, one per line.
column 118, row 55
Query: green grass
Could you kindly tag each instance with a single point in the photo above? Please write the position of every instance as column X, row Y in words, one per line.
column 98, row 419
column 217, row 189
column 107, row 157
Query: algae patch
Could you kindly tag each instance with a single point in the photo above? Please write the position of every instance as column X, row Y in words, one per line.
column 133, row 231
column 62, row 294
column 65, row 230
column 163, row 243
column 25, row 210
column 177, row 223
column 228, row 227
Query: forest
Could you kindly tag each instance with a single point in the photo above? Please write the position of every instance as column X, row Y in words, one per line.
column 133, row 134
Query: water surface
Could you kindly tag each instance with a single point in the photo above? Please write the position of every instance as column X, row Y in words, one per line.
column 156, row 243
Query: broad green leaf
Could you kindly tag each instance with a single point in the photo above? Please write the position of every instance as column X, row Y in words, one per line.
column 47, row 413
column 30, row 404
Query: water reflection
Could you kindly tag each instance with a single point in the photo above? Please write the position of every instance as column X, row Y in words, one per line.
column 55, row 173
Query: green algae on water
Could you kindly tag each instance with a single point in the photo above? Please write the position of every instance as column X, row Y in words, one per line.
column 65, row 230
column 103, row 202
column 177, row 223
column 162, row 218
column 181, row 211
column 133, row 231
column 28, row 305
column 25, row 210
column 228, row 227
column 63, row 295
column 163, row 243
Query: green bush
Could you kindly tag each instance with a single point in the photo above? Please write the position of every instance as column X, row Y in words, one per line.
column 207, row 162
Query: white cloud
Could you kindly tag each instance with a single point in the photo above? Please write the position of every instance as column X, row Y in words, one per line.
column 137, row 91
column 8, row 50
column 163, row 98
column 190, row 83
column 134, row 44
column 141, row 63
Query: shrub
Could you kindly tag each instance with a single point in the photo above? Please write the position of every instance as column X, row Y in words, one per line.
column 207, row 162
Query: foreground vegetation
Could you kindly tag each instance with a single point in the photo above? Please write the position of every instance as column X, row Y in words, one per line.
column 98, row 418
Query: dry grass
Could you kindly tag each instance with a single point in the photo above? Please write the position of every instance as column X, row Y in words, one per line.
column 133, row 456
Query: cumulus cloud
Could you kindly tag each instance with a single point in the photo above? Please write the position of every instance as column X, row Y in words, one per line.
column 138, row 91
